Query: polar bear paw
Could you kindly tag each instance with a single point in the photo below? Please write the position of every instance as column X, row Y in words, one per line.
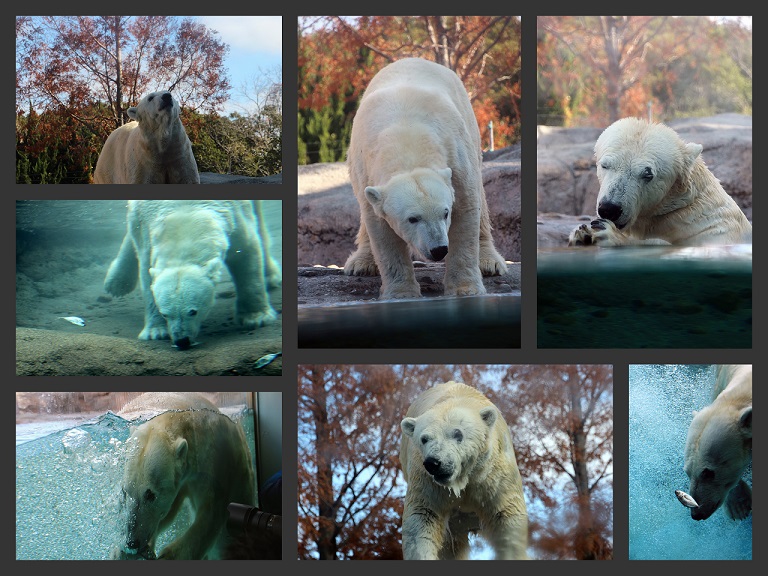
column 467, row 288
column 256, row 319
column 738, row 504
column 600, row 232
column 492, row 266
column 154, row 333
column 361, row 263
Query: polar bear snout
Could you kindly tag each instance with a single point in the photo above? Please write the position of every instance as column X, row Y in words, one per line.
column 166, row 101
column 441, row 472
column 611, row 211
column 438, row 253
column 183, row 343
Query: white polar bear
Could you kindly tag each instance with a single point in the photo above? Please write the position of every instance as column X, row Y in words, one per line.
column 189, row 453
column 415, row 165
column 719, row 446
column 656, row 189
column 178, row 248
column 155, row 149
column 458, row 460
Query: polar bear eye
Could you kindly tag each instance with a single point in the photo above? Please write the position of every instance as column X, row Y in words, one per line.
column 414, row 219
column 707, row 474
column 150, row 98
column 149, row 496
column 192, row 312
column 424, row 439
column 457, row 435
column 647, row 174
column 445, row 216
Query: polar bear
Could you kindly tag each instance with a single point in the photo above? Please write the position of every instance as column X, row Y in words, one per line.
column 178, row 248
column 415, row 164
column 656, row 189
column 718, row 448
column 154, row 149
column 189, row 453
column 457, row 457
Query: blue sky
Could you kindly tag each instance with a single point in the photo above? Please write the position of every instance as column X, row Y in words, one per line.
column 255, row 42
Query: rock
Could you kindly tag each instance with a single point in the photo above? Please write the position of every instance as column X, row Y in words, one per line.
column 213, row 178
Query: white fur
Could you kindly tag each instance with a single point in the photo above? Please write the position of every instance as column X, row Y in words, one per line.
column 192, row 454
column 457, row 456
column 656, row 189
column 154, row 149
column 719, row 446
column 178, row 249
column 415, row 165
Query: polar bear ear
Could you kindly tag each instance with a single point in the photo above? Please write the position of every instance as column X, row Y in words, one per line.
column 133, row 112
column 213, row 268
column 375, row 195
column 745, row 422
column 488, row 414
column 445, row 174
column 693, row 151
column 408, row 425
column 181, row 448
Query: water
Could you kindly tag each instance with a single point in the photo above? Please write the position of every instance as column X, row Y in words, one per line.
column 645, row 297
column 68, row 487
column 661, row 402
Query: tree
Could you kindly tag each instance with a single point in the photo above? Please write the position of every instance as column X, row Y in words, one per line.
column 348, row 471
column 602, row 68
column 338, row 56
column 564, row 431
column 71, row 62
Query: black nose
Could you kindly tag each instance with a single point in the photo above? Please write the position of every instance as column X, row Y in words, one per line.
column 133, row 544
column 167, row 97
column 609, row 211
column 182, row 343
column 438, row 253
column 432, row 465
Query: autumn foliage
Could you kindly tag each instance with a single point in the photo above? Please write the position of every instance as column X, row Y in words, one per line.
column 593, row 70
column 350, row 488
column 76, row 77
column 338, row 56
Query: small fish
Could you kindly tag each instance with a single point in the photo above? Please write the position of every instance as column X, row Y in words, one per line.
column 264, row 360
column 74, row 319
column 686, row 499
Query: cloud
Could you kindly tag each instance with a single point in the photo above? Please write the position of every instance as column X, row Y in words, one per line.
column 251, row 34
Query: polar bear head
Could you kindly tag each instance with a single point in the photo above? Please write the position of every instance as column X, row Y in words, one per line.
column 184, row 295
column 717, row 450
column 417, row 206
column 156, row 113
column 643, row 169
column 153, row 476
column 454, row 442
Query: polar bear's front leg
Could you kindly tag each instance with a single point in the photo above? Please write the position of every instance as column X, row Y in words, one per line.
column 155, row 326
column 246, row 267
column 423, row 533
column 462, row 265
column 508, row 535
column 200, row 537
column 393, row 260
column 361, row 261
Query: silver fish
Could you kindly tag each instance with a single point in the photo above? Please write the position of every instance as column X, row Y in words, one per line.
column 686, row 499
column 264, row 360
column 74, row 319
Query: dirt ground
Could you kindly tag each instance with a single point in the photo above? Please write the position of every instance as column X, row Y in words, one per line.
column 60, row 269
